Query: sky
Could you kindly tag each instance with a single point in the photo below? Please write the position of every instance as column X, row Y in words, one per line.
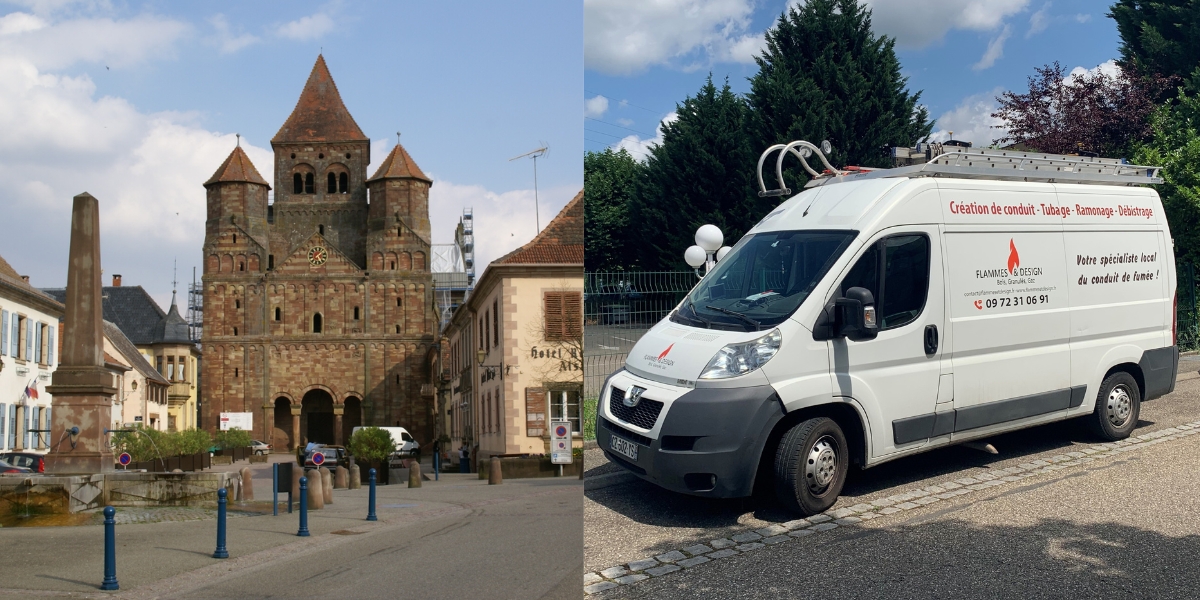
column 138, row 103
column 642, row 57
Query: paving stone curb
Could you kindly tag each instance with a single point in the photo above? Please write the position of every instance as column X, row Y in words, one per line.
column 753, row 539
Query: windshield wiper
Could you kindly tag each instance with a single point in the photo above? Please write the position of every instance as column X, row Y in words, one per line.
column 739, row 315
column 692, row 305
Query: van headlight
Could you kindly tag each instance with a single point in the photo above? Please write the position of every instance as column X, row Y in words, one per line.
column 739, row 359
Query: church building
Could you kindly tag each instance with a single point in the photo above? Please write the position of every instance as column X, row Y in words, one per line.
column 318, row 304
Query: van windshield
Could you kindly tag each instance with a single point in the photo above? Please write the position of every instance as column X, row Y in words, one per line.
column 763, row 279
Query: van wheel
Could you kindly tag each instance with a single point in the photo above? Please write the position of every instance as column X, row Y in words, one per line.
column 1117, row 407
column 810, row 466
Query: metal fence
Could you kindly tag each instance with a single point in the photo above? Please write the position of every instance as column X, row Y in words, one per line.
column 618, row 307
column 1187, row 325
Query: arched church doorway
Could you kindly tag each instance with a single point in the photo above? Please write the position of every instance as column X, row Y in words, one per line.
column 351, row 417
column 282, row 434
column 316, row 417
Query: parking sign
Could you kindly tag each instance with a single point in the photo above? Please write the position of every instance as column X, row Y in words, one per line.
column 560, row 443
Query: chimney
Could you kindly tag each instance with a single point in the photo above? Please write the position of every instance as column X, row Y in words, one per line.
column 116, row 281
column 25, row 278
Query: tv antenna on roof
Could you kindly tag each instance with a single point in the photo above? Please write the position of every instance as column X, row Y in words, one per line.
column 534, row 154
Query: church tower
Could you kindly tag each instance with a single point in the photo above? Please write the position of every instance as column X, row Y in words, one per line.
column 318, row 306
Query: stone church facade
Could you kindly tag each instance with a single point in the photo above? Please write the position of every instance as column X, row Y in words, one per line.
column 318, row 308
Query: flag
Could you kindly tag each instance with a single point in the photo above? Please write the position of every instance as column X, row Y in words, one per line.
column 31, row 389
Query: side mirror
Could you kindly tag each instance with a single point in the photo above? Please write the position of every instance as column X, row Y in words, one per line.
column 855, row 315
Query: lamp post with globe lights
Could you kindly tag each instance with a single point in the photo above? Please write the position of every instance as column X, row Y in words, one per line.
column 708, row 249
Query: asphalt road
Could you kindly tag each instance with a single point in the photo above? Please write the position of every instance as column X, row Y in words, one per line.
column 1145, row 501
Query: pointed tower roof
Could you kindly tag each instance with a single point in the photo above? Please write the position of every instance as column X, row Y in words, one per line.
column 237, row 167
column 320, row 115
column 172, row 329
column 399, row 165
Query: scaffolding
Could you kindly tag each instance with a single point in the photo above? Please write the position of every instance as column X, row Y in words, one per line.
column 453, row 267
column 195, row 308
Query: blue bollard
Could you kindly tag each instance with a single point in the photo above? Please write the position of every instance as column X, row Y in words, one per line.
column 222, row 501
column 436, row 462
column 303, row 508
column 371, row 501
column 275, row 489
column 110, row 550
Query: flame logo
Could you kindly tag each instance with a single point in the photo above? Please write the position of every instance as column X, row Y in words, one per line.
column 664, row 352
column 1014, row 260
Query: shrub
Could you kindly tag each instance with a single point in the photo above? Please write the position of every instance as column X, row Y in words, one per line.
column 143, row 443
column 233, row 438
column 371, row 445
column 191, row 441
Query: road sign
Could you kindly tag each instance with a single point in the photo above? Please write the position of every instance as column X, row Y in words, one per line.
column 318, row 458
column 124, row 459
column 237, row 420
column 560, row 443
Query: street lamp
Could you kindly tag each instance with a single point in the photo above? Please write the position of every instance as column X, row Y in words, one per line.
column 481, row 356
column 708, row 249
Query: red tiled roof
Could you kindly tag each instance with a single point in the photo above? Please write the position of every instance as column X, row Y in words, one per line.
column 237, row 167
column 6, row 269
column 399, row 165
column 561, row 242
column 320, row 115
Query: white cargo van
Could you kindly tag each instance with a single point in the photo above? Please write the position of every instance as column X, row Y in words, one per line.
column 880, row 314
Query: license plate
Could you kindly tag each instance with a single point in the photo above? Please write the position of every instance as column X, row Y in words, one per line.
column 623, row 447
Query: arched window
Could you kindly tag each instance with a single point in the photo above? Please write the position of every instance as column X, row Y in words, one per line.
column 278, row 313
column 355, row 313
column 393, row 267
column 344, row 183
column 397, row 329
column 236, row 372
column 270, row 261
column 331, row 184
column 308, row 183
column 399, row 232
column 237, row 303
column 241, row 266
column 297, row 184
column 321, row 229
column 316, row 323
column 235, row 331
column 399, row 302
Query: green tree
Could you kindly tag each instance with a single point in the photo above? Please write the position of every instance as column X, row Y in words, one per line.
column 1158, row 38
column 609, row 179
column 1175, row 147
column 825, row 76
column 702, row 172
column 371, row 445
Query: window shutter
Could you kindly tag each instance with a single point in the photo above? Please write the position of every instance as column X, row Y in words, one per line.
column 3, row 336
column 535, row 412
column 15, row 341
column 37, row 342
column 50, row 344
column 28, row 339
column 553, row 310
column 573, row 315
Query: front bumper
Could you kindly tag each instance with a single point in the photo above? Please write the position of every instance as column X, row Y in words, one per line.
column 709, row 441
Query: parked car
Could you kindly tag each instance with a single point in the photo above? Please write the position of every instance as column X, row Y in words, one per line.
column 260, row 448
column 5, row 467
column 334, row 456
column 33, row 461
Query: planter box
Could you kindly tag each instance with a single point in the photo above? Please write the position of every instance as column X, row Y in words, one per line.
column 514, row 467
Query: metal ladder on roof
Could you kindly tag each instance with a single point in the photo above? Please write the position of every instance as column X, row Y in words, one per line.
column 966, row 163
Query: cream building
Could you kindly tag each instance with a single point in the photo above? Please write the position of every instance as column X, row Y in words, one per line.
column 142, row 393
column 28, row 356
column 514, row 348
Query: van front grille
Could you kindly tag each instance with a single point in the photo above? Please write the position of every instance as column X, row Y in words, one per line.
column 644, row 415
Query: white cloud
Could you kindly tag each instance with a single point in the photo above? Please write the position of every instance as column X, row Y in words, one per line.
column 640, row 148
column 745, row 48
column 225, row 38
column 623, row 122
column 1039, row 21
column 306, row 28
column 972, row 120
column 503, row 220
column 95, row 40
column 1108, row 67
column 595, row 107
column 1083, row 18
column 995, row 50
column 918, row 23
column 624, row 37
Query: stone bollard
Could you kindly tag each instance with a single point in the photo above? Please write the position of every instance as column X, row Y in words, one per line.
column 495, row 476
column 316, row 490
column 297, row 473
column 355, row 477
column 247, row 485
column 327, row 484
column 340, row 477
column 414, row 475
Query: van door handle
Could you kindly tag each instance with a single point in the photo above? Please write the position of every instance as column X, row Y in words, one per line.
column 931, row 340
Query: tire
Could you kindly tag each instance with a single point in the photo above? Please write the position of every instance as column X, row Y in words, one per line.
column 810, row 466
column 1118, row 405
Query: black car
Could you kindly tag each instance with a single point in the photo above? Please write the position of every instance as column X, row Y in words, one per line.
column 36, row 463
column 7, row 468
column 334, row 456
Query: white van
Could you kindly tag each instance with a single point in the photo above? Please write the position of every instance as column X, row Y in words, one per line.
column 881, row 314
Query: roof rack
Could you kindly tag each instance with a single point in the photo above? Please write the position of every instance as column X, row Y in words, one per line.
column 971, row 163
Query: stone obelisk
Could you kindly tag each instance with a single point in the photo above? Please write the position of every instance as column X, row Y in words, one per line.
column 82, row 388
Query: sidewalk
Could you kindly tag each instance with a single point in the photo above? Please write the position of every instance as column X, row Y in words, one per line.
column 70, row 559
